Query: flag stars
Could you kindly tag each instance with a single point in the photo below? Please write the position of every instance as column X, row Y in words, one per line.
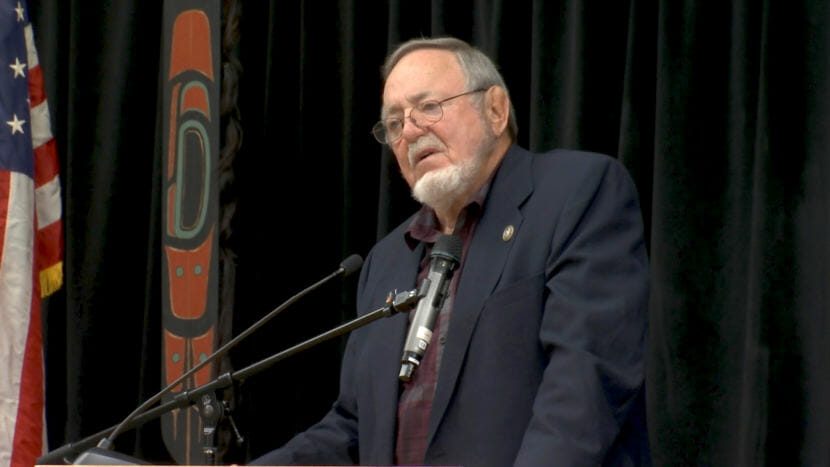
column 19, row 11
column 16, row 125
column 18, row 68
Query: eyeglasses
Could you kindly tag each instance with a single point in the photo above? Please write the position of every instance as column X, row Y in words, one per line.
column 423, row 115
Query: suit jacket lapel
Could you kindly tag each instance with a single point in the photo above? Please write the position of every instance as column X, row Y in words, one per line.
column 482, row 269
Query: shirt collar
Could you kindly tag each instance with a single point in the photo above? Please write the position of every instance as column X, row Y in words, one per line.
column 424, row 226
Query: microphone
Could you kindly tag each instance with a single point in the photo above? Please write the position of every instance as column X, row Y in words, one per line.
column 347, row 267
column 444, row 259
column 350, row 265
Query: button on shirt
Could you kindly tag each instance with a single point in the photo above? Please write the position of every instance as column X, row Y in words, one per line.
column 415, row 402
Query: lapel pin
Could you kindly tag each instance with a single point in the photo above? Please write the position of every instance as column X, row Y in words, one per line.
column 507, row 234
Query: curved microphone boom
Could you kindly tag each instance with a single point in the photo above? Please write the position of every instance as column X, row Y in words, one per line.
column 347, row 267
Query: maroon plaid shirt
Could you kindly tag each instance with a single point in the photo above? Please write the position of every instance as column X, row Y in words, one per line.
column 415, row 402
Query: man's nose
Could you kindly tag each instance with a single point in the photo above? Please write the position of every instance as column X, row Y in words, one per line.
column 412, row 129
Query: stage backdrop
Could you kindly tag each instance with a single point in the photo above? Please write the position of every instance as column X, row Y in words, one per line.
column 720, row 111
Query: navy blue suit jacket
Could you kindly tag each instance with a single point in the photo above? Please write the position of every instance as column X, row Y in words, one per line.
column 545, row 355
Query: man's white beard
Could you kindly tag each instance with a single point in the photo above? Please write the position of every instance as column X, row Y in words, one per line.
column 441, row 188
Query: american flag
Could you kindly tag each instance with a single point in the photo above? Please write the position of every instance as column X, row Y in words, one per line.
column 31, row 236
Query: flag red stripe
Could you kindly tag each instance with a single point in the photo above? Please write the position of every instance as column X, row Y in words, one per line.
column 46, row 162
column 5, row 180
column 36, row 89
column 49, row 246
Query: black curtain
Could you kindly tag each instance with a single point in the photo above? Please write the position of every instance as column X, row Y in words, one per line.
column 720, row 111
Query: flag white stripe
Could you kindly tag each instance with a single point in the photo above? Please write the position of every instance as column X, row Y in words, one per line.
column 48, row 197
column 15, row 301
column 30, row 47
column 41, row 127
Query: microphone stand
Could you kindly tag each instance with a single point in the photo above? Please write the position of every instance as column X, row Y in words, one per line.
column 395, row 303
column 347, row 267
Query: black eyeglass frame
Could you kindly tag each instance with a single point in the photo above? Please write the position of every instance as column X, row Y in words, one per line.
column 380, row 129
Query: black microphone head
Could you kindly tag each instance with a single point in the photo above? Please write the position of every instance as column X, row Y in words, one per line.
column 449, row 247
column 351, row 264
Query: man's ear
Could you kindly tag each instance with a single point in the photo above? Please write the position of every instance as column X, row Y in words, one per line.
column 497, row 109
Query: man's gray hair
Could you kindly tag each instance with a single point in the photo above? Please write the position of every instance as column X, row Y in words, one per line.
column 480, row 71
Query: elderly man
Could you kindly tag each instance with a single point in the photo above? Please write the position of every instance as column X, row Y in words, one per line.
column 537, row 356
